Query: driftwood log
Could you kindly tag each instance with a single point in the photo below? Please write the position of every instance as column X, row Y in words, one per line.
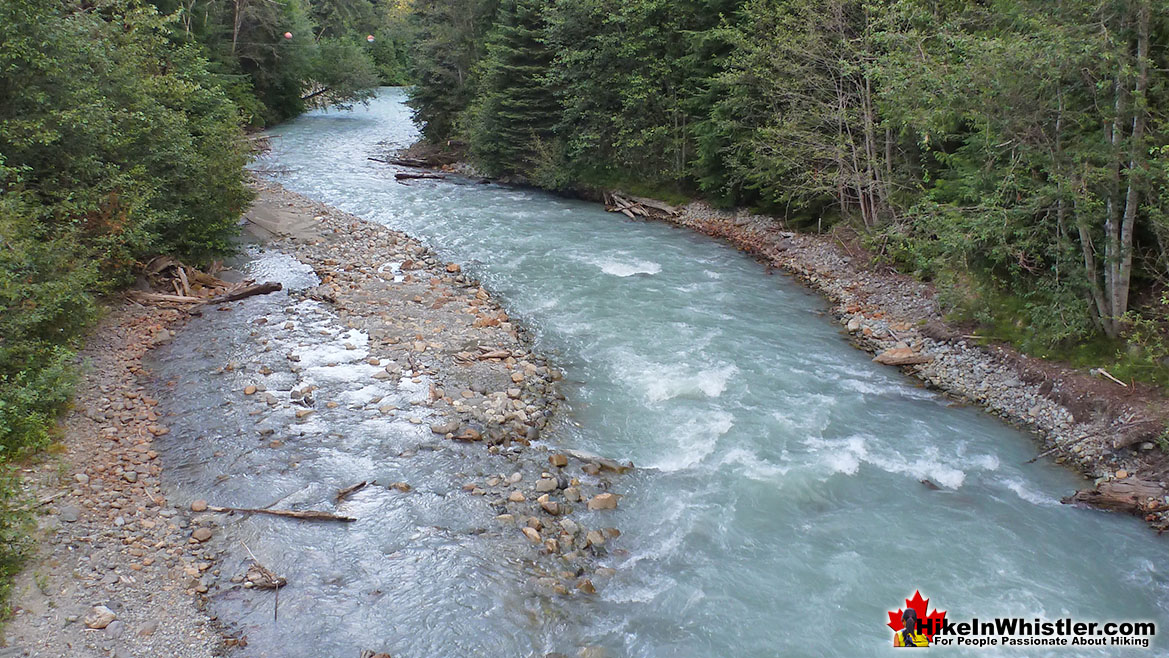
column 1130, row 495
column 344, row 493
column 306, row 515
column 416, row 163
column 404, row 176
column 230, row 296
column 636, row 206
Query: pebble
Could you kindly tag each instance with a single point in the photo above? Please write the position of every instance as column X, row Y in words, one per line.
column 558, row 460
column 70, row 513
column 603, row 501
column 201, row 535
column 532, row 534
column 199, row 506
column 516, row 497
column 99, row 617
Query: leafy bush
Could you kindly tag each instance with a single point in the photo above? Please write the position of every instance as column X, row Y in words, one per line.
column 116, row 143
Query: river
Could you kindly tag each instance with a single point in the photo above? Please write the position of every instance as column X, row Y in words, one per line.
column 777, row 507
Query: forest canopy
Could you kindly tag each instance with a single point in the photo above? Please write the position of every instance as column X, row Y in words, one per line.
column 1013, row 151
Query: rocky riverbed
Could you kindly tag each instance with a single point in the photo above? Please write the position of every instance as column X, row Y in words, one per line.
column 130, row 564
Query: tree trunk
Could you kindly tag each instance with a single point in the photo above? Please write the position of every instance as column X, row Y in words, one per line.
column 1135, row 163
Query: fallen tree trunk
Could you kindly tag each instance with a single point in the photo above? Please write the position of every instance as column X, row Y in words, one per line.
column 246, row 291
column 1130, row 495
column 307, row 515
column 403, row 176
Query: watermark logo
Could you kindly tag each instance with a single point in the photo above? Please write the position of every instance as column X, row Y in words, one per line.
column 912, row 627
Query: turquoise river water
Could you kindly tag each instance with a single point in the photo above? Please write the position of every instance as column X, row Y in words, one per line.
column 776, row 508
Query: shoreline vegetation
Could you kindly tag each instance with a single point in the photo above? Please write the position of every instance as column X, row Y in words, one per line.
column 122, row 138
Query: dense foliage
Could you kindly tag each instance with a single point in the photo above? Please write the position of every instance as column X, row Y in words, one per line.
column 1015, row 151
column 121, row 138
column 278, row 58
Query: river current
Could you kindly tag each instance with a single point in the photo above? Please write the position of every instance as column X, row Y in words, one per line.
column 777, row 507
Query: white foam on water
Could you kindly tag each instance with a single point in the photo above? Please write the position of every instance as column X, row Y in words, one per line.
column 345, row 372
column 313, row 356
column 616, row 268
column 622, row 268
column 1022, row 490
column 361, row 396
column 929, row 468
column 840, row 455
column 662, row 383
column 695, row 440
column 751, row 466
column 807, row 413
column 845, row 456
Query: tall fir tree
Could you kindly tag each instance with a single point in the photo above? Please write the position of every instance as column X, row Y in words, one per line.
column 515, row 109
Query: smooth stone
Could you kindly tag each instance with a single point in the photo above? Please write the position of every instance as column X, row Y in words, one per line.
column 99, row 617
column 603, row 501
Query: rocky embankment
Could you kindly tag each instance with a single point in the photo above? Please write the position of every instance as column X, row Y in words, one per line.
column 1101, row 428
column 117, row 571
column 123, row 571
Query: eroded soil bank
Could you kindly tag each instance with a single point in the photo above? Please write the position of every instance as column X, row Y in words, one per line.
column 134, row 559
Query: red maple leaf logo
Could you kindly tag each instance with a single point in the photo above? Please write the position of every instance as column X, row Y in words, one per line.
column 930, row 623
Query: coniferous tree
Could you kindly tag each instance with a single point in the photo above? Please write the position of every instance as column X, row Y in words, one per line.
column 515, row 110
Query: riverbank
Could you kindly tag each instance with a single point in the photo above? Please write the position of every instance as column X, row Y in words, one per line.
column 1109, row 432
column 130, row 564
column 115, row 572
column 1102, row 429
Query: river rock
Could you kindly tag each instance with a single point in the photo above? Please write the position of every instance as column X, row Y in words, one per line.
column 532, row 534
column 99, row 617
column 444, row 428
column 199, row 506
column 902, row 355
column 544, row 485
column 558, row 460
column 516, row 497
column 201, row 534
column 70, row 513
column 603, row 501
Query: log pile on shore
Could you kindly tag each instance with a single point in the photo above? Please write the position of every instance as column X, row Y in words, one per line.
column 635, row 206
